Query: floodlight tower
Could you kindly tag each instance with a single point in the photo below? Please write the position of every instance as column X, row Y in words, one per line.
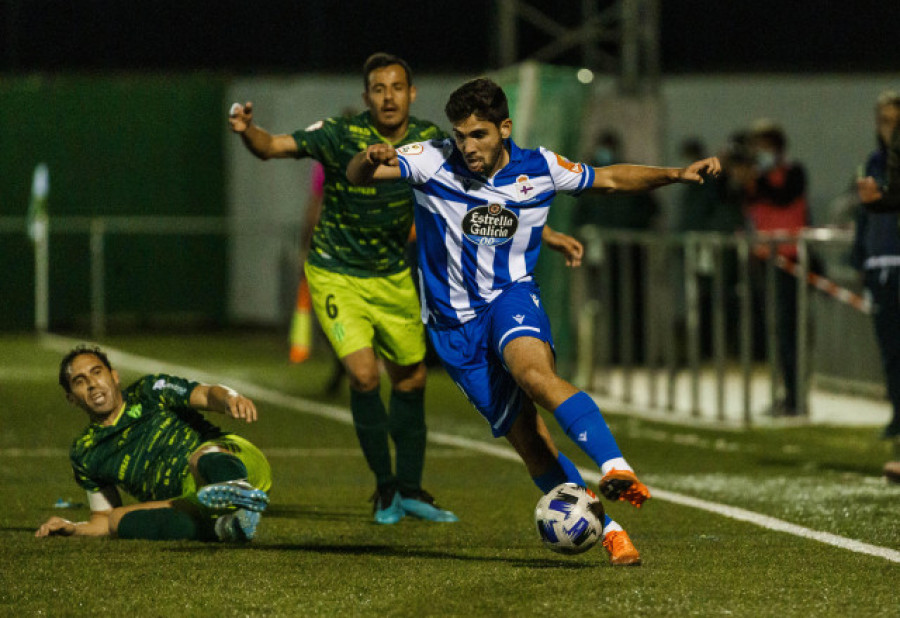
column 618, row 37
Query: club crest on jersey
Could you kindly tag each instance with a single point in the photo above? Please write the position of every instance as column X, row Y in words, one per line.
column 490, row 225
column 411, row 149
column 524, row 188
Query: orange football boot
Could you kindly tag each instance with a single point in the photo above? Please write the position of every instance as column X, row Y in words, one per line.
column 622, row 551
column 624, row 485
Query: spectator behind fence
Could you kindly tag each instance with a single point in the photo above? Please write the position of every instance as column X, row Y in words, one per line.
column 876, row 247
column 715, row 206
column 775, row 201
column 621, row 212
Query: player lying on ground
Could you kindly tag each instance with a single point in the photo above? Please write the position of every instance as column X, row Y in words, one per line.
column 481, row 202
column 150, row 441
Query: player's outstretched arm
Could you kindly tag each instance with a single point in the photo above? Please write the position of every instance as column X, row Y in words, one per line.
column 569, row 246
column 638, row 178
column 257, row 140
column 225, row 400
column 97, row 525
column 377, row 162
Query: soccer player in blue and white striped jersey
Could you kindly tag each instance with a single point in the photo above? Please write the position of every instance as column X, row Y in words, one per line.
column 481, row 205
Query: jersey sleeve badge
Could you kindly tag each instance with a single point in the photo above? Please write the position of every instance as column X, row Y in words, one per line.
column 575, row 168
column 411, row 149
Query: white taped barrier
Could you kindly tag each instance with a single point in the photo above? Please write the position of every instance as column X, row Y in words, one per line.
column 643, row 345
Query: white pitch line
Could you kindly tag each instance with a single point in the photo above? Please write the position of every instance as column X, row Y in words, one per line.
column 773, row 523
column 147, row 365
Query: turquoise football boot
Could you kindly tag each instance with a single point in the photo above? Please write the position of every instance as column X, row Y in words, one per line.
column 419, row 503
column 240, row 494
column 387, row 506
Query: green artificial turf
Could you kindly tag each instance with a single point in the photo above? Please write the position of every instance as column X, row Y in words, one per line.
column 319, row 553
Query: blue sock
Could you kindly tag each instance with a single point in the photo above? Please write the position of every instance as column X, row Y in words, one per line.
column 549, row 480
column 574, row 476
column 572, row 473
column 565, row 473
column 582, row 421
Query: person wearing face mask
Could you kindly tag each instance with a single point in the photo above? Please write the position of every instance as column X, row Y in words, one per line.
column 776, row 197
column 714, row 206
column 775, row 202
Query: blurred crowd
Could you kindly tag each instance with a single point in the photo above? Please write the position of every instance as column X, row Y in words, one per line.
column 763, row 191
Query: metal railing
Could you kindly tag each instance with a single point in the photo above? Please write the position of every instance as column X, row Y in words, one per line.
column 638, row 313
column 98, row 234
column 98, row 228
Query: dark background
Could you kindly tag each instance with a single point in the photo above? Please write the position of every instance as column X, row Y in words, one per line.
column 76, row 74
column 244, row 36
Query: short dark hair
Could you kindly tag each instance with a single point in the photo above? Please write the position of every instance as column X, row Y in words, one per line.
column 771, row 132
column 482, row 97
column 379, row 60
column 65, row 365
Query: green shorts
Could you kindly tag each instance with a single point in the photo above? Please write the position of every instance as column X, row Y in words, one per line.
column 259, row 473
column 381, row 313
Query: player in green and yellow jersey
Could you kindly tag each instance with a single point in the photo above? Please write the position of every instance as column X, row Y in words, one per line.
column 150, row 441
column 360, row 283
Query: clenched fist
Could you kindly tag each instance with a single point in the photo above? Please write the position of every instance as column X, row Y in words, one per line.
column 240, row 116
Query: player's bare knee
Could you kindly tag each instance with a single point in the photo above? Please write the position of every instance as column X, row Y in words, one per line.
column 534, row 381
column 409, row 378
column 362, row 370
column 364, row 381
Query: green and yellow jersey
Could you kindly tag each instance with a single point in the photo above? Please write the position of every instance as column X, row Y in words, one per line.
column 363, row 229
column 145, row 452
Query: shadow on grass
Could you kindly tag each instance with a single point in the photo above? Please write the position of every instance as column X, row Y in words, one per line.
column 393, row 552
column 843, row 466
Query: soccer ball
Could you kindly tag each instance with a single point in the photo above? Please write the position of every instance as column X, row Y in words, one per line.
column 569, row 519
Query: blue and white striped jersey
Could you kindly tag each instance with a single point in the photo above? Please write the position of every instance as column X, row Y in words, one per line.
column 478, row 236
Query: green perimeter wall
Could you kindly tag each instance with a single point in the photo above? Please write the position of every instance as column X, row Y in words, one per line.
column 558, row 107
column 116, row 145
